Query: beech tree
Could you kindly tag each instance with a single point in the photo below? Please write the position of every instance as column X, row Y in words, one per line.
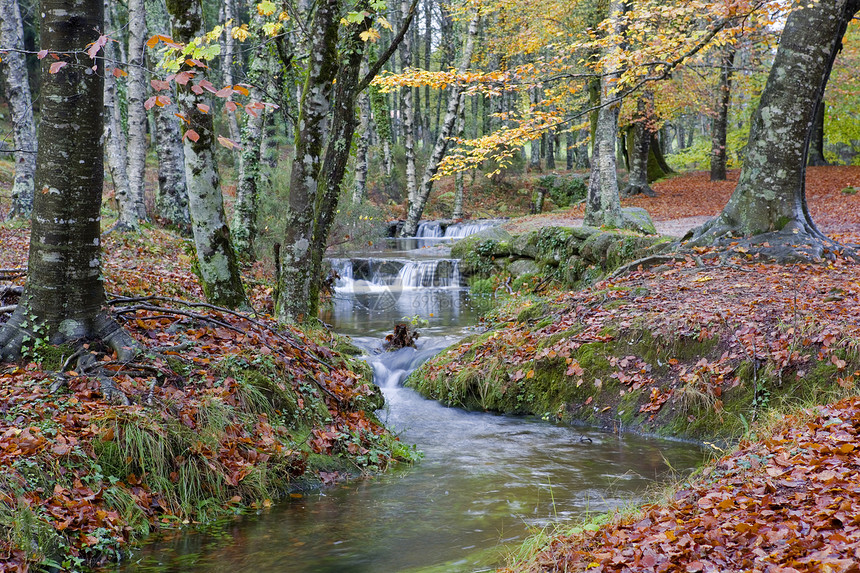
column 217, row 266
column 64, row 293
column 769, row 204
column 17, row 86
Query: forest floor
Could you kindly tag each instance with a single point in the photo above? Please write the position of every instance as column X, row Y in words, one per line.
column 220, row 413
column 787, row 497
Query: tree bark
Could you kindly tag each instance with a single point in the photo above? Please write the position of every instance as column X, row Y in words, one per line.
column 171, row 199
column 816, row 140
column 244, row 227
column 719, row 122
column 227, row 64
column 407, row 114
column 639, row 149
column 361, row 154
column 534, row 156
column 458, row 176
column 769, row 203
column 18, row 94
column 64, row 293
column 603, row 205
column 294, row 302
column 216, row 263
column 115, row 138
column 136, row 113
column 416, row 208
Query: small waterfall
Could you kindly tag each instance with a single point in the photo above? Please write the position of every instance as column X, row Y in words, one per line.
column 429, row 229
column 343, row 269
column 460, row 230
column 372, row 275
column 442, row 273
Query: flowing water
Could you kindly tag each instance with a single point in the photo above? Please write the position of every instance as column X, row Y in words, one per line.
column 486, row 481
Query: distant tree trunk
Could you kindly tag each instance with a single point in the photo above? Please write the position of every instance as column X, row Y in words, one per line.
column 217, row 266
column 719, row 122
column 115, row 138
column 244, row 227
column 534, row 156
column 459, row 132
column 382, row 120
column 407, row 114
column 428, row 52
column 17, row 86
column 603, row 206
column 550, row 150
column 816, row 139
column 64, row 294
column 364, row 133
column 227, row 63
column 569, row 142
column 416, row 208
column 639, row 149
column 769, row 202
column 137, row 83
column 294, row 302
column 171, row 199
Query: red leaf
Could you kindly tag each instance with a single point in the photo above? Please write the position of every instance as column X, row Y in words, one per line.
column 203, row 108
column 224, row 92
column 56, row 67
column 94, row 48
column 228, row 143
column 42, row 54
column 148, row 104
column 118, row 72
column 192, row 135
column 183, row 77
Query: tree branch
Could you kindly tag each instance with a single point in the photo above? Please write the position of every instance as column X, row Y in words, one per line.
column 384, row 57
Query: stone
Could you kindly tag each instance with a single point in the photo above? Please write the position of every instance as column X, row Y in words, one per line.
column 638, row 219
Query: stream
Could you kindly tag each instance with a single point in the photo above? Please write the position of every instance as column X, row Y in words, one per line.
column 486, row 481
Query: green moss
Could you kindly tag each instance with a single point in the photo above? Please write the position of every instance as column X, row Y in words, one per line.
column 52, row 357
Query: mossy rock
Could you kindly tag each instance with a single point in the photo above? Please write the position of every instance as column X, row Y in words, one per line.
column 501, row 240
column 637, row 219
column 523, row 267
column 526, row 245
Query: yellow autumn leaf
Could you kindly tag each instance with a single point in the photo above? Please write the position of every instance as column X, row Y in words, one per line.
column 371, row 35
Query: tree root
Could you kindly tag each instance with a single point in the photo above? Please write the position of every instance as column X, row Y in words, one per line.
column 633, row 190
column 797, row 242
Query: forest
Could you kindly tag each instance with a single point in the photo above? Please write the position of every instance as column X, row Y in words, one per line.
column 422, row 286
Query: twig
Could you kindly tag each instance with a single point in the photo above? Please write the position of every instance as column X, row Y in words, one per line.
column 8, row 309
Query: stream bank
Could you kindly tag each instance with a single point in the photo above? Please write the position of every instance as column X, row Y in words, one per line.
column 696, row 348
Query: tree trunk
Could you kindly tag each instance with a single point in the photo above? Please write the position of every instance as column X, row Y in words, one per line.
column 550, row 150
column 720, row 120
column 569, row 141
column 360, row 190
column 244, row 228
column 407, row 114
column 17, row 86
column 769, row 202
column 227, row 64
column 115, row 138
column 171, row 199
column 639, row 149
column 64, row 293
column 216, row 262
column 534, row 155
column 459, row 132
column 816, row 140
column 416, row 208
column 603, row 206
column 294, row 302
column 137, row 83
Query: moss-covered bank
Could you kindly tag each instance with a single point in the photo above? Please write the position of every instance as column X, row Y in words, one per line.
column 191, row 434
column 669, row 352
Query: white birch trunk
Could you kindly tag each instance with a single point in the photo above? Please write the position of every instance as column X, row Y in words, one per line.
column 416, row 208
column 18, row 94
column 603, row 206
column 136, row 113
column 407, row 113
column 115, row 149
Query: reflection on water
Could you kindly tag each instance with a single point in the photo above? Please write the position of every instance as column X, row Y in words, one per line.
column 485, row 481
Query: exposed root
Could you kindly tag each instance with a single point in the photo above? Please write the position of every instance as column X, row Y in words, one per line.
column 633, row 190
column 797, row 242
